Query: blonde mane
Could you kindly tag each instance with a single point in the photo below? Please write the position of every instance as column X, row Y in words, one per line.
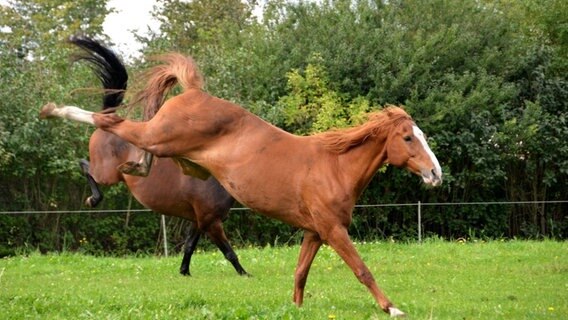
column 341, row 140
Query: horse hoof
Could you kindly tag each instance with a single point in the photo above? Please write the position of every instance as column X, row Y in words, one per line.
column 47, row 110
column 133, row 169
column 93, row 202
column 128, row 167
column 396, row 313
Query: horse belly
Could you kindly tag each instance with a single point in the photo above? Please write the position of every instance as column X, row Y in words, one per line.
column 161, row 192
column 273, row 195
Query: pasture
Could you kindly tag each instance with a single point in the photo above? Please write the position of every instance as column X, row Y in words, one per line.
column 433, row 280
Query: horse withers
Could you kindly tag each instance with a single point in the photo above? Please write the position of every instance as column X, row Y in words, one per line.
column 166, row 189
column 311, row 182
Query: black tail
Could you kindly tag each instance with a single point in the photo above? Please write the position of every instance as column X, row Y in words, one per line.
column 107, row 66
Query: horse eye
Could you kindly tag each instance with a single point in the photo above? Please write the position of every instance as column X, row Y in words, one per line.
column 407, row 138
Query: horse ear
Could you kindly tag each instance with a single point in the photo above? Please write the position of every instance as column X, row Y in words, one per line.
column 392, row 110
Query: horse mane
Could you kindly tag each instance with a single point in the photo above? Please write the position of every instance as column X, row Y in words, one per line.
column 342, row 140
column 175, row 68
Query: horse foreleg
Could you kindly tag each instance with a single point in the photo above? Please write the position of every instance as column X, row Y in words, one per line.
column 339, row 240
column 217, row 235
column 310, row 246
column 96, row 197
column 190, row 245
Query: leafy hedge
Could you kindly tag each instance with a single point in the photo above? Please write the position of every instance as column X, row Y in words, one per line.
column 486, row 80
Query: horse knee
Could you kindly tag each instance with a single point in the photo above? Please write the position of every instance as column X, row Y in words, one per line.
column 231, row 256
column 84, row 165
column 365, row 277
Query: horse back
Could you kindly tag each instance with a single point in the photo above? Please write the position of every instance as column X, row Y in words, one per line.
column 191, row 122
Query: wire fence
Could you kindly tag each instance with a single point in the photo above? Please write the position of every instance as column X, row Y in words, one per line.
column 411, row 204
column 419, row 205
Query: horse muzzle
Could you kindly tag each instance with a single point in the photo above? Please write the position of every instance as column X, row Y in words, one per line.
column 432, row 177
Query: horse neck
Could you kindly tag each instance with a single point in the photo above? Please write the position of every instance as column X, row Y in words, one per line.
column 363, row 161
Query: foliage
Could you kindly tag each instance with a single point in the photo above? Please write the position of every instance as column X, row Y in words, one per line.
column 39, row 159
column 37, row 68
column 486, row 80
column 311, row 106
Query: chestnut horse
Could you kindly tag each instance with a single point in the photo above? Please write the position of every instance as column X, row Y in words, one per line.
column 310, row 182
column 166, row 189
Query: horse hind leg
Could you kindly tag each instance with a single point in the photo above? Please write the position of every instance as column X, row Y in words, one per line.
column 190, row 245
column 96, row 196
column 73, row 113
column 310, row 246
column 217, row 235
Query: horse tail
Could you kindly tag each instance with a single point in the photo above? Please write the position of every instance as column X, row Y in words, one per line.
column 107, row 66
column 175, row 69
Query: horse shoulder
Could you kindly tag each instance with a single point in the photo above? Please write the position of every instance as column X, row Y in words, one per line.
column 330, row 181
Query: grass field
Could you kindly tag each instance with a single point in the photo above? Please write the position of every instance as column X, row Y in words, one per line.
column 434, row 280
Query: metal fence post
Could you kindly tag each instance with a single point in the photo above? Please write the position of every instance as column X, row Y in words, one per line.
column 165, row 236
column 419, row 222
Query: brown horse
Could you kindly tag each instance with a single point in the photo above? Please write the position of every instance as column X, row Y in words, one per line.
column 311, row 182
column 166, row 189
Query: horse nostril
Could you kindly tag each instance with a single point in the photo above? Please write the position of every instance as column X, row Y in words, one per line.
column 433, row 172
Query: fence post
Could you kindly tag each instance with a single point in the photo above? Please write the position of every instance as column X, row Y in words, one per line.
column 419, row 222
column 165, row 236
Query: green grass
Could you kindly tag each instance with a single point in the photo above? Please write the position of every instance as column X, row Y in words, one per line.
column 434, row 280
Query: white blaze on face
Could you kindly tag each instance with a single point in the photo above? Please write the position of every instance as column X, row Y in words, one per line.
column 420, row 136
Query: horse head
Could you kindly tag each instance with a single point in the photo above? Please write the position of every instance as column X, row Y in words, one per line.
column 407, row 148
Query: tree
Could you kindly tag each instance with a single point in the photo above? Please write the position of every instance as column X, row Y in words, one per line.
column 38, row 159
column 463, row 70
column 36, row 66
column 486, row 80
column 312, row 106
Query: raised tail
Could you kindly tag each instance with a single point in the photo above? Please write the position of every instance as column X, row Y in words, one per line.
column 107, row 66
column 175, row 69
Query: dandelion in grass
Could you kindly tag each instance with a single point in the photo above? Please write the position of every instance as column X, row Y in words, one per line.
column 331, row 315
